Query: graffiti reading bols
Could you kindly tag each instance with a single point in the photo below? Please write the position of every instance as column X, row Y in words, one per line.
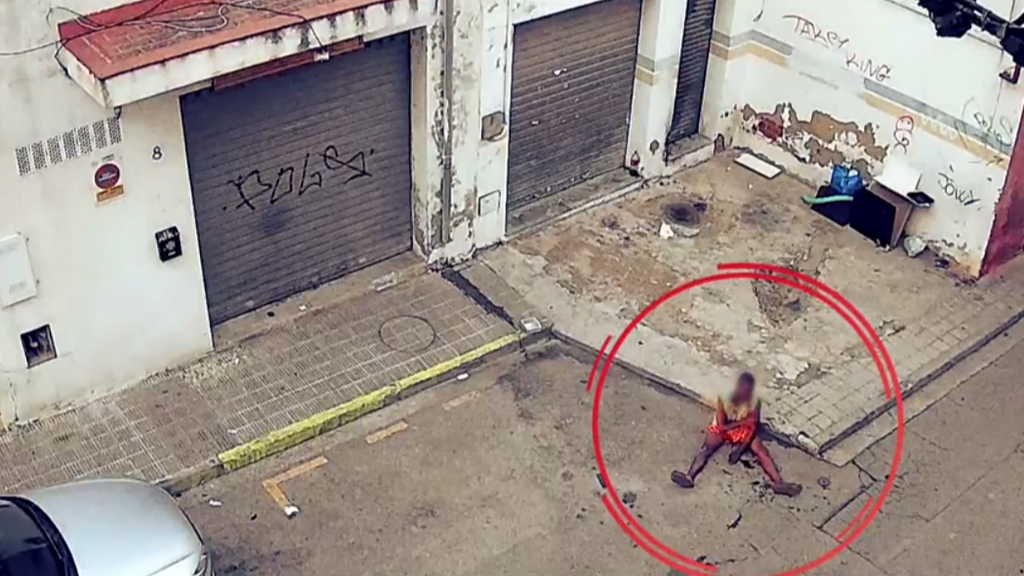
column 107, row 176
column 309, row 177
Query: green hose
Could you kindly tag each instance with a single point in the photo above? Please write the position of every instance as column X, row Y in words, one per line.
column 827, row 200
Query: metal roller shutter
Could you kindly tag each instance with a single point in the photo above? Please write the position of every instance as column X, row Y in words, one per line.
column 301, row 177
column 572, row 87
column 693, row 68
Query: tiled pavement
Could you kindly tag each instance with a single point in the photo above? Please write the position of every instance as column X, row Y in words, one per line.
column 830, row 408
column 316, row 361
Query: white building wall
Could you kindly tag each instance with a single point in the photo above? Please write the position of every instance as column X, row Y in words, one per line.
column 857, row 84
column 116, row 312
column 654, row 89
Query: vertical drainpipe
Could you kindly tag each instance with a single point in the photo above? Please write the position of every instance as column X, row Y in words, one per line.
column 449, row 123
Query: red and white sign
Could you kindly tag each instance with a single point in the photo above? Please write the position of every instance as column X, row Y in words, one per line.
column 107, row 176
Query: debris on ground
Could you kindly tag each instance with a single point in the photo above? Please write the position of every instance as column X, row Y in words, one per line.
column 215, row 503
column 291, row 511
column 531, row 325
column 914, row 245
column 463, row 376
column 610, row 222
column 736, row 521
column 762, row 491
column 629, row 498
column 600, row 480
column 889, row 328
column 757, row 165
column 665, row 231
column 384, row 282
column 942, row 263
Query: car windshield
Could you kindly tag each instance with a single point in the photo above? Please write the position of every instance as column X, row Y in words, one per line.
column 25, row 547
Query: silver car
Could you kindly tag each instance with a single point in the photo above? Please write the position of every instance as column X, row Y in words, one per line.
column 99, row 528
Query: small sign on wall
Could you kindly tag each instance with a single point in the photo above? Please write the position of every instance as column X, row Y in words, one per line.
column 168, row 243
column 107, row 179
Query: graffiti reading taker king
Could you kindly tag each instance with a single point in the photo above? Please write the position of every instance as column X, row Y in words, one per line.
column 309, row 176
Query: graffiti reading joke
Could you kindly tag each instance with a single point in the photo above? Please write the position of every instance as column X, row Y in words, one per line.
column 949, row 187
column 808, row 30
column 308, row 175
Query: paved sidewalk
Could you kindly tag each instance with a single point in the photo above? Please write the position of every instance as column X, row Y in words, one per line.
column 593, row 273
column 955, row 504
column 313, row 362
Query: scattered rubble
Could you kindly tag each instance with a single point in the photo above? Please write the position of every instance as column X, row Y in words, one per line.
column 736, row 521
column 629, row 499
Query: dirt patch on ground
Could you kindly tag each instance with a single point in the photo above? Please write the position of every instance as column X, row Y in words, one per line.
column 605, row 262
column 620, row 257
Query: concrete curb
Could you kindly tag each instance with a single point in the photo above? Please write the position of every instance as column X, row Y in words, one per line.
column 917, row 381
column 588, row 353
column 663, row 383
column 318, row 424
column 926, row 375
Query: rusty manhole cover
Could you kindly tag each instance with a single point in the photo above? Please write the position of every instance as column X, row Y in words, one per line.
column 684, row 213
column 685, row 217
column 407, row 333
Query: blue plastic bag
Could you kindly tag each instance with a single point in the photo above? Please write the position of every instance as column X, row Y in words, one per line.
column 845, row 180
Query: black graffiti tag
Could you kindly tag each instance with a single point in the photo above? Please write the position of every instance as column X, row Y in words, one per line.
column 309, row 177
column 333, row 162
column 949, row 187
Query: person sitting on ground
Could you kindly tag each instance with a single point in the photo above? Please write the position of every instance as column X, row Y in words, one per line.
column 737, row 421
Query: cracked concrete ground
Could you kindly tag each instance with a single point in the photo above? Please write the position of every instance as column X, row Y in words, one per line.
column 591, row 275
column 495, row 475
column 503, row 481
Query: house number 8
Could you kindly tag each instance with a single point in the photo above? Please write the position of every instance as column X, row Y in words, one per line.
column 158, row 154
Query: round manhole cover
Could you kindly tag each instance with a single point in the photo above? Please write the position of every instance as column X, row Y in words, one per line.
column 407, row 334
column 684, row 213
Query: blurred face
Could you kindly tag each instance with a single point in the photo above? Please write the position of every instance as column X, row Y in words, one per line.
column 744, row 389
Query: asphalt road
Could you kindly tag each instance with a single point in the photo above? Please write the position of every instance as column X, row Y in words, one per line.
column 495, row 475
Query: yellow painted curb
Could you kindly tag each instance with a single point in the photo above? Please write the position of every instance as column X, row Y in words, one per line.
column 299, row 432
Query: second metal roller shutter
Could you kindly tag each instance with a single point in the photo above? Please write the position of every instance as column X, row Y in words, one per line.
column 572, row 87
column 301, row 177
column 693, row 68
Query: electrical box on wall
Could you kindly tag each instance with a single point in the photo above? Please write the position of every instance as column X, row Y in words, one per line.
column 493, row 126
column 17, row 282
column 168, row 243
column 488, row 203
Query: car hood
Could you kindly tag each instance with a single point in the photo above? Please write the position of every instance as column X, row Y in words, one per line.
column 121, row 528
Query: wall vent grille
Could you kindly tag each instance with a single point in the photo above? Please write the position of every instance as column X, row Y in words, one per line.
column 74, row 143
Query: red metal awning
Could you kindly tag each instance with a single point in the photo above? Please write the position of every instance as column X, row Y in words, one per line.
column 127, row 45
column 147, row 32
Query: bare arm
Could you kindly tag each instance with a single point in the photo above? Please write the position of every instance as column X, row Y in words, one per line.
column 720, row 418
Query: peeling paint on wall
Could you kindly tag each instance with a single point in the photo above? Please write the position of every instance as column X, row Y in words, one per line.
column 822, row 140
